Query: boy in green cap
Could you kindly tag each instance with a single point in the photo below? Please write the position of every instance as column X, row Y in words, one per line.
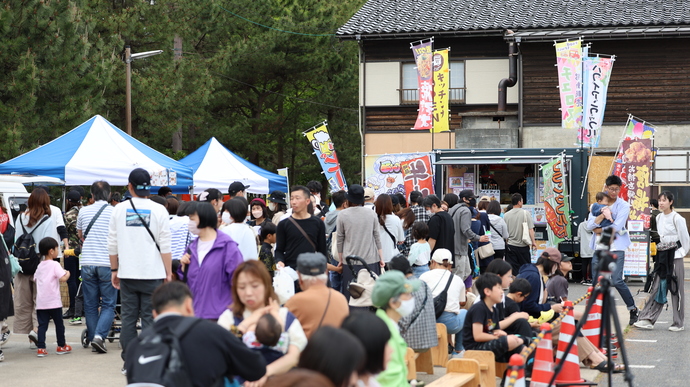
column 392, row 294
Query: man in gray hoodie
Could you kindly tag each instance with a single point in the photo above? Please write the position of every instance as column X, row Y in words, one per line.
column 462, row 220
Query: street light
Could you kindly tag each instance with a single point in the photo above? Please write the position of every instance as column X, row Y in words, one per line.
column 129, row 57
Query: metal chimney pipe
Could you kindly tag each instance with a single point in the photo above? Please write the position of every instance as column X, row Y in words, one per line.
column 512, row 79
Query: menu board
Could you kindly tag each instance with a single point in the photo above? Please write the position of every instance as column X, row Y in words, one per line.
column 636, row 254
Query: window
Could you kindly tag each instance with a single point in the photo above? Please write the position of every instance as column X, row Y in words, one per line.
column 409, row 91
column 672, row 166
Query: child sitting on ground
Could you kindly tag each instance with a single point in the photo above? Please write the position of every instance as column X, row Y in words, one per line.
column 48, row 276
column 481, row 331
column 420, row 252
column 268, row 237
column 598, row 208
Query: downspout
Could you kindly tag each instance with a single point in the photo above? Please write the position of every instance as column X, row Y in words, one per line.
column 512, row 79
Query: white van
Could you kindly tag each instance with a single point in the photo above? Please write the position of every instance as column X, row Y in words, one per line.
column 13, row 193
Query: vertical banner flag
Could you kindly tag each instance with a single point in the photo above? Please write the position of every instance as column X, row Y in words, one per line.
column 423, row 59
column 596, row 76
column 569, row 63
column 636, row 129
column 441, row 113
column 556, row 206
column 634, row 166
column 325, row 151
column 418, row 175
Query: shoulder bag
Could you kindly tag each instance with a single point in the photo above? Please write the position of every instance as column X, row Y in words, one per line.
column 441, row 300
column 93, row 220
column 395, row 242
column 403, row 329
column 526, row 238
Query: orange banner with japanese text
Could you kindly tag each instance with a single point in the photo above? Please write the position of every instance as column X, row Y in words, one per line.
column 441, row 115
column 418, row 175
column 423, row 59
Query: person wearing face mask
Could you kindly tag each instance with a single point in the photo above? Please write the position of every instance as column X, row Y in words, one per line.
column 259, row 213
column 277, row 205
column 546, row 265
column 234, row 214
column 392, row 295
column 320, row 207
column 210, row 262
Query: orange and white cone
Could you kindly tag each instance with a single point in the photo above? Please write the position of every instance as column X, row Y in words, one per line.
column 542, row 370
column 592, row 327
column 517, row 363
column 570, row 371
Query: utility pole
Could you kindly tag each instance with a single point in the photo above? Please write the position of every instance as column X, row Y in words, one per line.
column 177, row 136
column 128, row 89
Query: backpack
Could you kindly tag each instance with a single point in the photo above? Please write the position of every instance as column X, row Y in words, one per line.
column 25, row 249
column 157, row 360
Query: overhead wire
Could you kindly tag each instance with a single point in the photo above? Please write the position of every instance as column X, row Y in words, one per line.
column 271, row 28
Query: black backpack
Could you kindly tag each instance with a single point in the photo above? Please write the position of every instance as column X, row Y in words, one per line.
column 25, row 249
column 157, row 360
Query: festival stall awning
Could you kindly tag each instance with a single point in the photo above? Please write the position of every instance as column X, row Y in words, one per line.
column 215, row 166
column 98, row 150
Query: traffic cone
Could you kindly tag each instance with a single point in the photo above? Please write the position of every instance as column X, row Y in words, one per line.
column 570, row 371
column 517, row 363
column 542, row 370
column 592, row 326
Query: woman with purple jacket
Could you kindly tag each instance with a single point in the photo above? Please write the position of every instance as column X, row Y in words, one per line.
column 209, row 263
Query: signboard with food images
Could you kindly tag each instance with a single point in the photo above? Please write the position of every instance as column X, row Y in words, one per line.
column 633, row 166
column 383, row 173
column 556, row 206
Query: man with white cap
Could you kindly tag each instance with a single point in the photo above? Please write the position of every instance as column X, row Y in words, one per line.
column 369, row 196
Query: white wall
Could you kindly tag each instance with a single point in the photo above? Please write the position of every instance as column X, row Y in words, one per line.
column 667, row 136
column 481, row 79
column 382, row 83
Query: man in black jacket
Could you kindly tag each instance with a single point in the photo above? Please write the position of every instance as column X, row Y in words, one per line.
column 210, row 352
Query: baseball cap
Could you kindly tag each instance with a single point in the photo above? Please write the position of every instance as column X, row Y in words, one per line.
column 74, row 196
column 392, row 284
column 141, row 181
column 555, row 255
column 485, row 199
column 355, row 193
column 369, row 193
column 442, row 254
column 277, row 197
column 311, row 263
column 236, row 187
column 467, row 193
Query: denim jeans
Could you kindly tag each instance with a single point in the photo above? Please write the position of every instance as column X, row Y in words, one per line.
column 336, row 278
column 419, row 270
column 454, row 324
column 98, row 290
column 616, row 277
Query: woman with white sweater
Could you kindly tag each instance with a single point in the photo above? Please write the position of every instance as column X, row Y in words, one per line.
column 670, row 273
column 390, row 227
column 499, row 229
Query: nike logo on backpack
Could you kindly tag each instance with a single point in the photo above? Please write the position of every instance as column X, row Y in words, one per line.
column 146, row 360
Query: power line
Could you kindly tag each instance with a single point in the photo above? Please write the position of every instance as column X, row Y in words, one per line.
column 283, row 95
column 271, row 28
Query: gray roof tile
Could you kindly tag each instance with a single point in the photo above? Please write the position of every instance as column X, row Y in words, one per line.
column 412, row 16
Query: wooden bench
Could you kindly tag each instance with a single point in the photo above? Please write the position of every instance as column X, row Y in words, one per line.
column 489, row 369
column 459, row 373
column 418, row 362
column 439, row 353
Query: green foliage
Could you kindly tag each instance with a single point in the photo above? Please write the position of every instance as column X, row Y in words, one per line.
column 254, row 88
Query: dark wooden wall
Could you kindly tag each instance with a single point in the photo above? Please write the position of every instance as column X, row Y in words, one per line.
column 402, row 118
column 479, row 47
column 650, row 79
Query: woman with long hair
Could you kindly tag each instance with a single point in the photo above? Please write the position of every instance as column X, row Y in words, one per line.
column 253, row 297
column 481, row 226
column 38, row 221
column 498, row 228
column 407, row 218
column 390, row 227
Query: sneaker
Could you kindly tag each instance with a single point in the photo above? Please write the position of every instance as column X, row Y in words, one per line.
column 2, row 355
column 64, row 350
column 586, row 282
column 33, row 337
column 42, row 352
column 634, row 314
column 75, row 321
column 4, row 336
column 124, row 371
column 99, row 345
column 676, row 329
column 644, row 324
column 457, row 355
column 68, row 314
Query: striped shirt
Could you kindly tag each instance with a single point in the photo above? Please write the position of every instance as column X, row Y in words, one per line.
column 180, row 236
column 94, row 251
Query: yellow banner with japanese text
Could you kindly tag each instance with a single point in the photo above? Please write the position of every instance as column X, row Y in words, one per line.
column 441, row 113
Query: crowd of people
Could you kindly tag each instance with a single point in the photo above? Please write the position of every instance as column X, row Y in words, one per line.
column 165, row 261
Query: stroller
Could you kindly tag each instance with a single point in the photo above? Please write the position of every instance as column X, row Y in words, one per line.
column 362, row 284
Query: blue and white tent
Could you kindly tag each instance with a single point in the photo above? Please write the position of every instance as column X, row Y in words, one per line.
column 215, row 166
column 98, row 150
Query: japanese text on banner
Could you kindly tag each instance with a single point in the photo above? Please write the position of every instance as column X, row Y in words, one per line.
column 441, row 113
column 423, row 59
column 596, row 74
column 569, row 63
column 633, row 166
column 556, row 206
column 325, row 151
column 418, row 175
column 383, row 173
